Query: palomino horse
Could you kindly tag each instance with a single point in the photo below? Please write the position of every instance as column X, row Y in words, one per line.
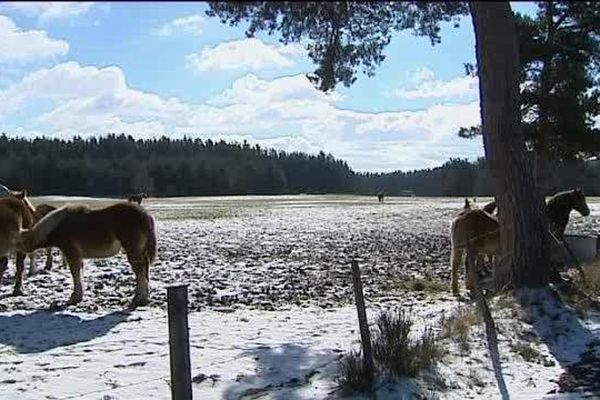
column 475, row 228
column 16, row 213
column 480, row 229
column 82, row 233
column 137, row 198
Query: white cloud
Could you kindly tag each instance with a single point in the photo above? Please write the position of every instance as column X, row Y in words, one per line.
column 423, row 74
column 191, row 24
column 20, row 46
column 427, row 87
column 246, row 54
column 287, row 113
column 250, row 89
column 50, row 9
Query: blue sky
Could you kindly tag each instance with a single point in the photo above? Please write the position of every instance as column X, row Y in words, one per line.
column 151, row 69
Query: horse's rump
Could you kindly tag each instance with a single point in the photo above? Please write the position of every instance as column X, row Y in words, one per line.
column 472, row 229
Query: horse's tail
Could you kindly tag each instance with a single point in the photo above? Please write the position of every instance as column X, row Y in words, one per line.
column 46, row 225
column 150, row 248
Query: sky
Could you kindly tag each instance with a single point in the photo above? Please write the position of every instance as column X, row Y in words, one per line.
column 165, row 68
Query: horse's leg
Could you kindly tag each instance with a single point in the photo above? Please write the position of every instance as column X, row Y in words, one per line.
column 32, row 268
column 48, row 265
column 470, row 269
column 139, row 263
column 455, row 259
column 3, row 267
column 75, row 262
column 18, row 290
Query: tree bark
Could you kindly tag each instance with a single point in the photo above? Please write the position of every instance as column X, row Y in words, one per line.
column 524, row 257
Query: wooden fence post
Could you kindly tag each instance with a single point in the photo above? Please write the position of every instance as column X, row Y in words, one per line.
column 179, row 343
column 362, row 319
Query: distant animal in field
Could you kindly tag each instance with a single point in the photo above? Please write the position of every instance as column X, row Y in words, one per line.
column 479, row 229
column 16, row 214
column 83, row 233
column 380, row 196
column 137, row 198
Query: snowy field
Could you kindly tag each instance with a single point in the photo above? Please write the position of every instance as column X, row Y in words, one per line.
column 271, row 305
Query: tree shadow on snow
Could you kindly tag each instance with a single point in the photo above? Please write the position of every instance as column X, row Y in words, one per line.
column 280, row 370
column 40, row 331
column 571, row 343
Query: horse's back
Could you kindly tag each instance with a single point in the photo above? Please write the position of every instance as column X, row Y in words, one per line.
column 476, row 227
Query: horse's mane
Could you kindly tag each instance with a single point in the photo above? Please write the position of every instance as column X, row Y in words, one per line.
column 28, row 204
column 558, row 196
column 42, row 209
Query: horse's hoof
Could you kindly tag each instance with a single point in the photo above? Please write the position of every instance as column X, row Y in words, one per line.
column 56, row 306
column 74, row 299
column 139, row 302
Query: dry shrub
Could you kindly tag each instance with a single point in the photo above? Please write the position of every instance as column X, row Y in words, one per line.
column 353, row 374
column 396, row 352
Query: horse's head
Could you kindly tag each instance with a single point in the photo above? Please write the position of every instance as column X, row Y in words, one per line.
column 22, row 195
column 579, row 202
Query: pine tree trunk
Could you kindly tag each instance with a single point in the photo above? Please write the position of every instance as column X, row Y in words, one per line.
column 524, row 256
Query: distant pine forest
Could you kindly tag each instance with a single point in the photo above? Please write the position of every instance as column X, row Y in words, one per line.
column 118, row 165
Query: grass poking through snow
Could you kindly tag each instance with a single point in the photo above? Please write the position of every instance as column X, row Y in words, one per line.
column 397, row 352
column 353, row 373
column 458, row 326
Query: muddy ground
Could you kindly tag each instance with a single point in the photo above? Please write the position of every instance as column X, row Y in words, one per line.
column 270, row 252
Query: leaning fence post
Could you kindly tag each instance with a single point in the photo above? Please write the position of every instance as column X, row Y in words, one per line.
column 362, row 319
column 179, row 343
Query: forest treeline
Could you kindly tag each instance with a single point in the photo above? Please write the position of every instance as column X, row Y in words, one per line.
column 117, row 165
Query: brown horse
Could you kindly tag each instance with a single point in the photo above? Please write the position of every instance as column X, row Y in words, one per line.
column 380, row 196
column 16, row 213
column 82, row 233
column 137, row 198
column 559, row 208
column 479, row 229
